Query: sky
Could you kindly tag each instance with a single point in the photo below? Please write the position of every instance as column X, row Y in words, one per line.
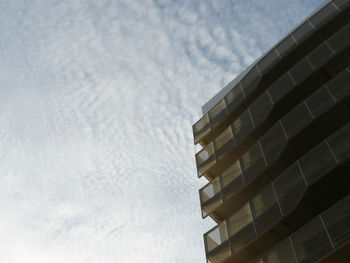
column 97, row 103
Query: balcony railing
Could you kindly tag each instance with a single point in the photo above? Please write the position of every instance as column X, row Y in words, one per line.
column 268, row 149
column 321, row 236
column 235, row 99
column 247, row 126
column 277, row 199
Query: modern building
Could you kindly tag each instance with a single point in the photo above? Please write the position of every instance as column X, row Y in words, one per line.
column 276, row 150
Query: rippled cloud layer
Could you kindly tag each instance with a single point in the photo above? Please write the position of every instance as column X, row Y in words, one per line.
column 97, row 103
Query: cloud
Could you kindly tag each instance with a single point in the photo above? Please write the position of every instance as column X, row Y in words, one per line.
column 98, row 100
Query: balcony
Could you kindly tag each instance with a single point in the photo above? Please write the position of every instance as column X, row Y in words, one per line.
column 317, row 116
column 318, row 241
column 285, row 204
column 269, row 68
column 314, row 70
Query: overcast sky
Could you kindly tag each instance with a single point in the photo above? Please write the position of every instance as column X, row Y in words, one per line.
column 97, row 101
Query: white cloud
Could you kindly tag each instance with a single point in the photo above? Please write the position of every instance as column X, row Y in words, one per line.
column 98, row 99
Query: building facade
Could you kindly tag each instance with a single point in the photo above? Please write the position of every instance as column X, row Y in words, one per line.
column 276, row 150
